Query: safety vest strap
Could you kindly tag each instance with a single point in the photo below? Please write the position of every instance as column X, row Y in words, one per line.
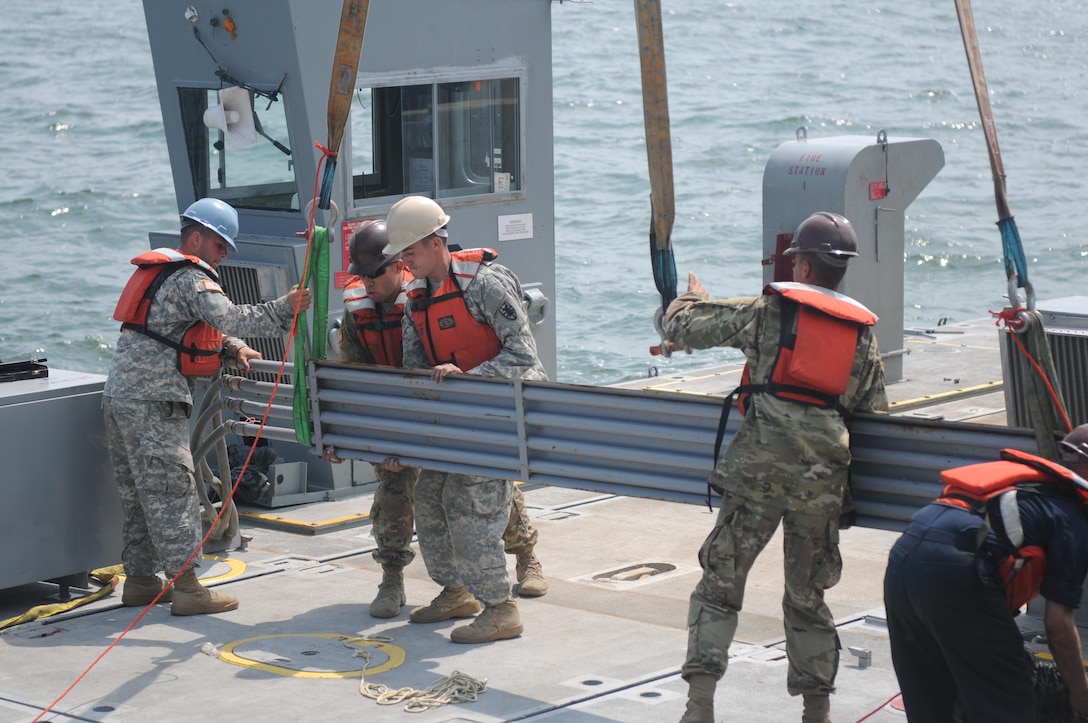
column 464, row 265
column 795, row 393
column 199, row 348
column 978, row 483
column 1074, row 480
column 448, row 332
column 991, row 489
column 155, row 267
column 172, row 256
column 829, row 302
column 819, row 332
column 381, row 337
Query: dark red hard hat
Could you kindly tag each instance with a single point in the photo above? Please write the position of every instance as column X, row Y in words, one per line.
column 1077, row 442
column 829, row 234
column 366, row 247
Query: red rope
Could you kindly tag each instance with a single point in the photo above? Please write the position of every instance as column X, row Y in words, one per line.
column 1011, row 319
column 325, row 153
column 192, row 557
column 256, row 438
column 876, row 710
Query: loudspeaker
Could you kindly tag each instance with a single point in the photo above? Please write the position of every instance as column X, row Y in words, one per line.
column 233, row 117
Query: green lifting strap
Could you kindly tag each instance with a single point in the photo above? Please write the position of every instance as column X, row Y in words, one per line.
column 1043, row 396
column 317, row 271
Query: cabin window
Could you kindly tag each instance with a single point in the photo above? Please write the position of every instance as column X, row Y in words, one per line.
column 441, row 140
column 238, row 150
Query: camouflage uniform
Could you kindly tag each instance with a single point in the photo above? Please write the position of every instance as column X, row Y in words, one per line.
column 392, row 518
column 788, row 462
column 146, row 404
column 392, row 513
column 493, row 298
column 460, row 518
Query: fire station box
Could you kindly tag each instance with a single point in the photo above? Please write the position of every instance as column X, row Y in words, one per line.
column 869, row 179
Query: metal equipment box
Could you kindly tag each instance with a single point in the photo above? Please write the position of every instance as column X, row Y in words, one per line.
column 1066, row 323
column 61, row 514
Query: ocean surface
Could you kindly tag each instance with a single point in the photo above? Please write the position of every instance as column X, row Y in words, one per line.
column 84, row 173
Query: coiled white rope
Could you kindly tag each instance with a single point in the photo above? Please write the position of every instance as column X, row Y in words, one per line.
column 454, row 688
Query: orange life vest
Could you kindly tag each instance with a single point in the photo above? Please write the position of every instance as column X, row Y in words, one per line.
column 819, row 334
column 448, row 331
column 991, row 488
column 379, row 335
column 200, row 346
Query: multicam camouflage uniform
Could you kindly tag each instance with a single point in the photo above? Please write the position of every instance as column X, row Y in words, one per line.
column 146, row 404
column 391, row 514
column 460, row 518
column 787, row 462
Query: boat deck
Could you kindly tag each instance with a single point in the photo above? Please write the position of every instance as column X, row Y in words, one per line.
column 598, row 646
column 604, row 644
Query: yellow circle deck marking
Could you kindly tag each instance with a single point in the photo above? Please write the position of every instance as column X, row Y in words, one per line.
column 235, row 568
column 395, row 654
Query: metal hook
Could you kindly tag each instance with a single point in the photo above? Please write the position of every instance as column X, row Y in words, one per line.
column 333, row 214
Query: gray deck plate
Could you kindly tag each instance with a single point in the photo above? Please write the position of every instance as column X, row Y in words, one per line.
column 591, row 651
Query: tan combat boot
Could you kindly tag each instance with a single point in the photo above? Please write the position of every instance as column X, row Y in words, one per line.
column 531, row 580
column 140, row 590
column 700, row 698
column 817, row 709
column 452, row 602
column 498, row 622
column 192, row 598
column 390, row 596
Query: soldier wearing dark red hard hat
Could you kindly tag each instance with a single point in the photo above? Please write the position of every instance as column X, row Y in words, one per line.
column 812, row 359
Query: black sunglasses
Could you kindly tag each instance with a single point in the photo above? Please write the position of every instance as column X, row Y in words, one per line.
column 1078, row 449
column 381, row 270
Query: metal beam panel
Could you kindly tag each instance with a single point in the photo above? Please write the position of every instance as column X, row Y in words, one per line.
column 897, row 461
column 618, row 441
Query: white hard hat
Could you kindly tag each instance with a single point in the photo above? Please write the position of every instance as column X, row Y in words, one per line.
column 413, row 218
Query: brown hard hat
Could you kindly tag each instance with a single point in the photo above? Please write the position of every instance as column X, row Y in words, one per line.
column 366, row 247
column 829, row 234
column 1077, row 442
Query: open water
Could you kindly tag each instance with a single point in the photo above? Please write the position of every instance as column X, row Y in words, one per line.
column 84, row 173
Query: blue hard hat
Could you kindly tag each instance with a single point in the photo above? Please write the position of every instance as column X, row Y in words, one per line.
column 217, row 215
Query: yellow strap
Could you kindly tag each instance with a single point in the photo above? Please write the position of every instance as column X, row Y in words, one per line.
column 107, row 576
